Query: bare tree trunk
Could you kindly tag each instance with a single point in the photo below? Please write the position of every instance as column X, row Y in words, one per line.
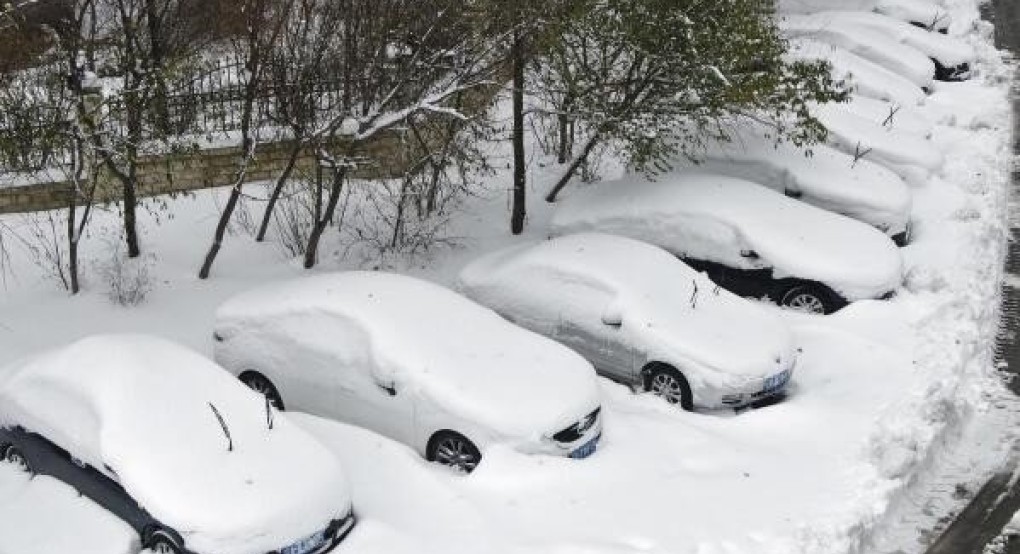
column 131, row 218
column 574, row 166
column 336, row 186
column 274, row 196
column 566, row 133
column 518, row 209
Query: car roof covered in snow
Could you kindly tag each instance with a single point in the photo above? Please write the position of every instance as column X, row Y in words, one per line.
column 826, row 178
column 138, row 409
column 742, row 224
column 664, row 304
column 422, row 335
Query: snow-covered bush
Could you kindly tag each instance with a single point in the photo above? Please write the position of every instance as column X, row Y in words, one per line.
column 128, row 280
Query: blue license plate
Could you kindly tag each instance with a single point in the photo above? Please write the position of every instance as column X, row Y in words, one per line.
column 306, row 545
column 585, row 450
column 776, row 382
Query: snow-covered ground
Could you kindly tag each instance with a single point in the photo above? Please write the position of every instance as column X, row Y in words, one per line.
column 882, row 389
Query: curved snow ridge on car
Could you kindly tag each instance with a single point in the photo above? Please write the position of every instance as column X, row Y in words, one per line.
column 864, row 77
column 138, row 409
column 667, row 309
column 947, row 50
column 425, row 336
column 910, row 156
column 825, row 178
column 893, row 115
column 713, row 217
column 922, row 12
column 903, row 60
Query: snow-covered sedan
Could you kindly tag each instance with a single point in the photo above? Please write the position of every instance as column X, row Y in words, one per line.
column 167, row 441
column 641, row 316
column 952, row 58
column 828, row 179
column 748, row 238
column 413, row 361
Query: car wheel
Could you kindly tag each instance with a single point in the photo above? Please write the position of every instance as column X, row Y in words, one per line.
column 161, row 542
column 13, row 456
column 807, row 299
column 453, row 450
column 258, row 383
column 669, row 384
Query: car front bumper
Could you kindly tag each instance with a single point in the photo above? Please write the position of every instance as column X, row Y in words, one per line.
column 770, row 387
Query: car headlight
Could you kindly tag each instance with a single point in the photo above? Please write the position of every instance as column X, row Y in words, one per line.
column 577, row 430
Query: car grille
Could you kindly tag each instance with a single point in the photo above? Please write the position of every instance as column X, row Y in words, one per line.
column 577, row 430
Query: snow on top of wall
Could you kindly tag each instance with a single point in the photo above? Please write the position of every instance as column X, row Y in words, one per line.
column 137, row 408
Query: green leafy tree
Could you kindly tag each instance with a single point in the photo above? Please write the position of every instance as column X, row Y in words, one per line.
column 657, row 79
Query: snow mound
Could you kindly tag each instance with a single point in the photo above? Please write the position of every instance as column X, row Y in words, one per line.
column 946, row 50
column 903, row 60
column 465, row 357
column 138, row 409
column 864, row 77
column 925, row 12
column 825, row 178
column 712, row 217
column 32, row 509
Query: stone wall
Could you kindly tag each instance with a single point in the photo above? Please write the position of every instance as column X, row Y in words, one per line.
column 216, row 167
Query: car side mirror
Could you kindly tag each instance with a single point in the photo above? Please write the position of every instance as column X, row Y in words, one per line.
column 612, row 315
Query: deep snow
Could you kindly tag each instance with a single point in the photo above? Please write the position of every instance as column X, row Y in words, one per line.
column 881, row 388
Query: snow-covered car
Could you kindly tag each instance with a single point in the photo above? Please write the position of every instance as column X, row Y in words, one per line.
column 641, row 316
column 168, row 442
column 894, row 115
column 828, row 179
column 864, row 77
column 952, row 57
column 413, row 361
column 921, row 13
column 904, row 61
column 749, row 239
column 912, row 157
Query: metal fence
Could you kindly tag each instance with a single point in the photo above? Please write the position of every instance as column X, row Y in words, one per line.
column 204, row 104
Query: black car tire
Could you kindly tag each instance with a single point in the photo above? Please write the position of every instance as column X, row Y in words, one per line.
column 12, row 455
column 453, row 450
column 260, row 384
column 670, row 385
column 808, row 298
column 162, row 542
